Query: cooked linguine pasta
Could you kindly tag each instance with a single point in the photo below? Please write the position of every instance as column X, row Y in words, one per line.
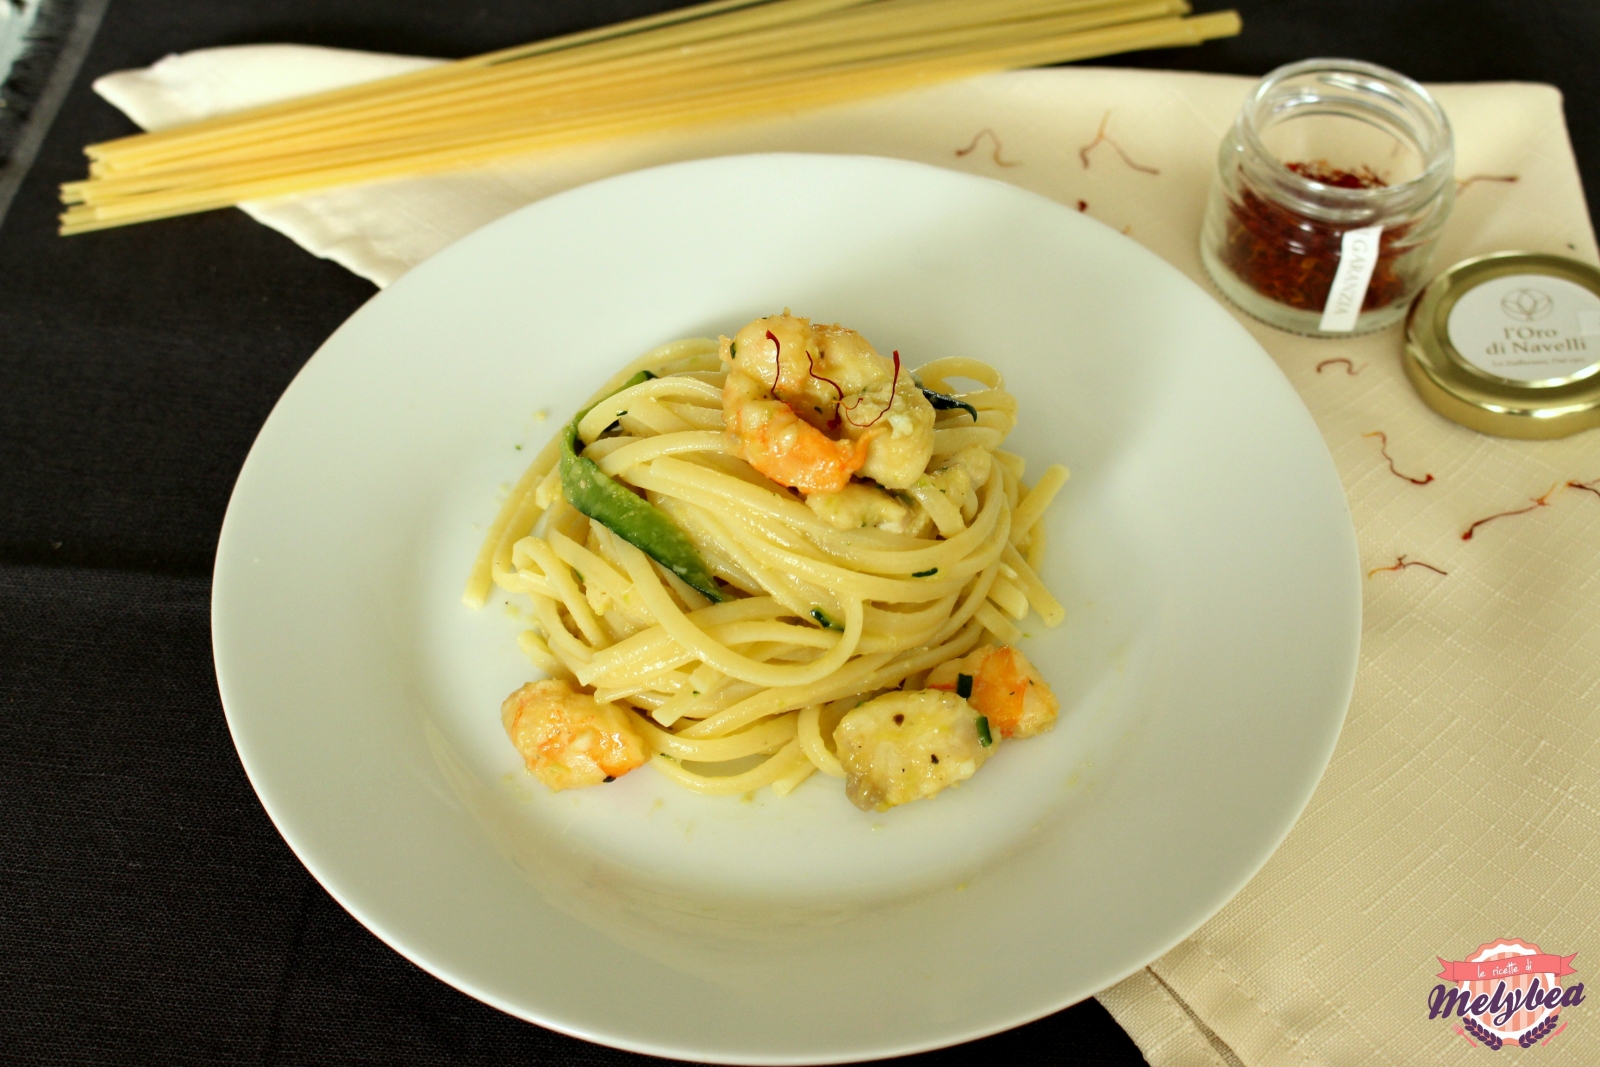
column 774, row 554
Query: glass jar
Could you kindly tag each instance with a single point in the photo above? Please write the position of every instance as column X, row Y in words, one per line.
column 1331, row 190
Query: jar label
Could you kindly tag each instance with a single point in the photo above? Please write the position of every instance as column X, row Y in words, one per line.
column 1530, row 328
column 1358, row 255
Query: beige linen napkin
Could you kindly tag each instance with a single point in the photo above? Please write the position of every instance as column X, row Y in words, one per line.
column 1463, row 802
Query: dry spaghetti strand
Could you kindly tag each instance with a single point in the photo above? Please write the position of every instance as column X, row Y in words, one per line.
column 718, row 62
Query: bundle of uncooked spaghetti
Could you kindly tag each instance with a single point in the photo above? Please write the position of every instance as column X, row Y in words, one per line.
column 716, row 62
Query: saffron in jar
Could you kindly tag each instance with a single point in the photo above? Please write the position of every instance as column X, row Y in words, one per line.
column 1330, row 192
column 1292, row 258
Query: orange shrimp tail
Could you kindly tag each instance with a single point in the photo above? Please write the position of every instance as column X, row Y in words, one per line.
column 790, row 451
column 999, row 690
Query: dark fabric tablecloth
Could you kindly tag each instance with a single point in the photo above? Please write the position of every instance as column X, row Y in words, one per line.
column 149, row 912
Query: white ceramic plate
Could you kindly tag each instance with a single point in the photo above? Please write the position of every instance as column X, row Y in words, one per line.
column 1203, row 549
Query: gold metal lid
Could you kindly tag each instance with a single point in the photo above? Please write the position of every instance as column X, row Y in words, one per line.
column 1509, row 344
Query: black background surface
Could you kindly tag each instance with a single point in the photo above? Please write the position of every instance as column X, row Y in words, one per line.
column 149, row 912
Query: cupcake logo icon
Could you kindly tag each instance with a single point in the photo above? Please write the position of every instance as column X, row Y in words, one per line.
column 1527, row 305
column 1506, row 992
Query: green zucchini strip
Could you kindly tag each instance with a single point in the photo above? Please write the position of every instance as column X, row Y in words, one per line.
column 628, row 515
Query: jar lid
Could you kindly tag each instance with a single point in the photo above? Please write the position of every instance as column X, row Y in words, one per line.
column 1509, row 344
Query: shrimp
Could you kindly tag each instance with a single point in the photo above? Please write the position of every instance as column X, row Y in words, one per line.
column 853, row 411
column 1005, row 688
column 961, row 475
column 570, row 739
column 906, row 746
column 774, row 440
column 859, row 505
